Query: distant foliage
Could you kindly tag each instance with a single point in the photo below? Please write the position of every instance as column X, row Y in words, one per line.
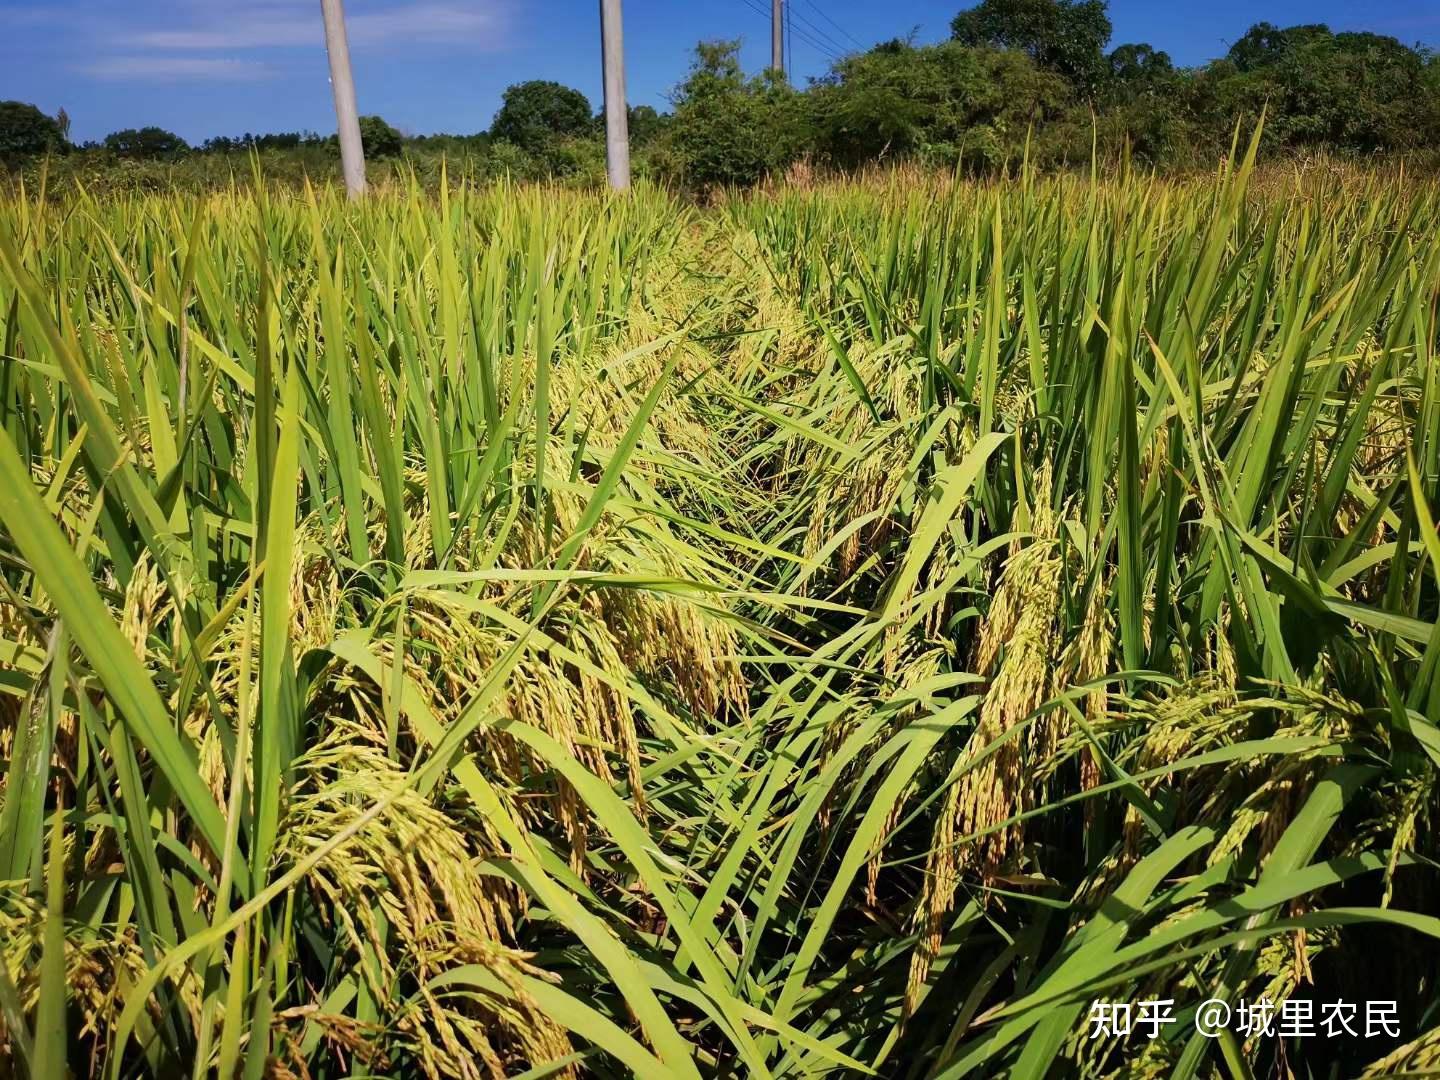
column 535, row 114
column 279, row 140
column 146, row 143
column 25, row 131
column 646, row 124
column 940, row 102
column 1135, row 69
column 1064, row 36
column 379, row 138
column 1265, row 44
column 729, row 129
column 1350, row 91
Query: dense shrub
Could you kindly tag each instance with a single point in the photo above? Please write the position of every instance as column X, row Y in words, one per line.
column 939, row 101
column 728, row 129
column 146, row 143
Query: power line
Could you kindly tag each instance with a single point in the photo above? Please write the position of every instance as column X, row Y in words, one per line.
column 834, row 45
column 825, row 15
column 823, row 50
column 827, row 51
column 789, row 37
column 754, row 5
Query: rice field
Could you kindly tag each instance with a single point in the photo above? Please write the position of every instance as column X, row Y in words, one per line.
column 846, row 630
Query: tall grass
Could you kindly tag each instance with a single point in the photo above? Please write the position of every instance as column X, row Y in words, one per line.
column 841, row 631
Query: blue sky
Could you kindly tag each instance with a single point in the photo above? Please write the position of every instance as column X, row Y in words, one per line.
column 206, row 67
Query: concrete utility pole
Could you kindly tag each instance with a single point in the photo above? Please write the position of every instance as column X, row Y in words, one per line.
column 352, row 154
column 617, row 122
column 777, row 37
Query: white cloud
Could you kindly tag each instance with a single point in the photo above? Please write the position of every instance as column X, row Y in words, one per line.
column 285, row 25
column 217, row 40
column 176, row 69
column 252, row 34
column 475, row 23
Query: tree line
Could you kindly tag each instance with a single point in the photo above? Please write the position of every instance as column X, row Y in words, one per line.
column 1016, row 78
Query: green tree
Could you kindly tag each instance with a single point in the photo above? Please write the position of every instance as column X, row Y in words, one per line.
column 1138, row 68
column 378, row 138
column 728, row 129
column 25, row 131
column 1064, row 36
column 534, row 114
column 1143, row 95
column 1356, row 92
column 146, row 143
column 1266, row 44
column 645, row 125
column 939, row 101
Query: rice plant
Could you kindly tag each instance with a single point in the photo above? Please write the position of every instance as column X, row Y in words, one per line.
column 519, row 632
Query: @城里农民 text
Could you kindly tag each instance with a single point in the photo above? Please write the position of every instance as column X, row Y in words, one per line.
column 1294, row 1018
